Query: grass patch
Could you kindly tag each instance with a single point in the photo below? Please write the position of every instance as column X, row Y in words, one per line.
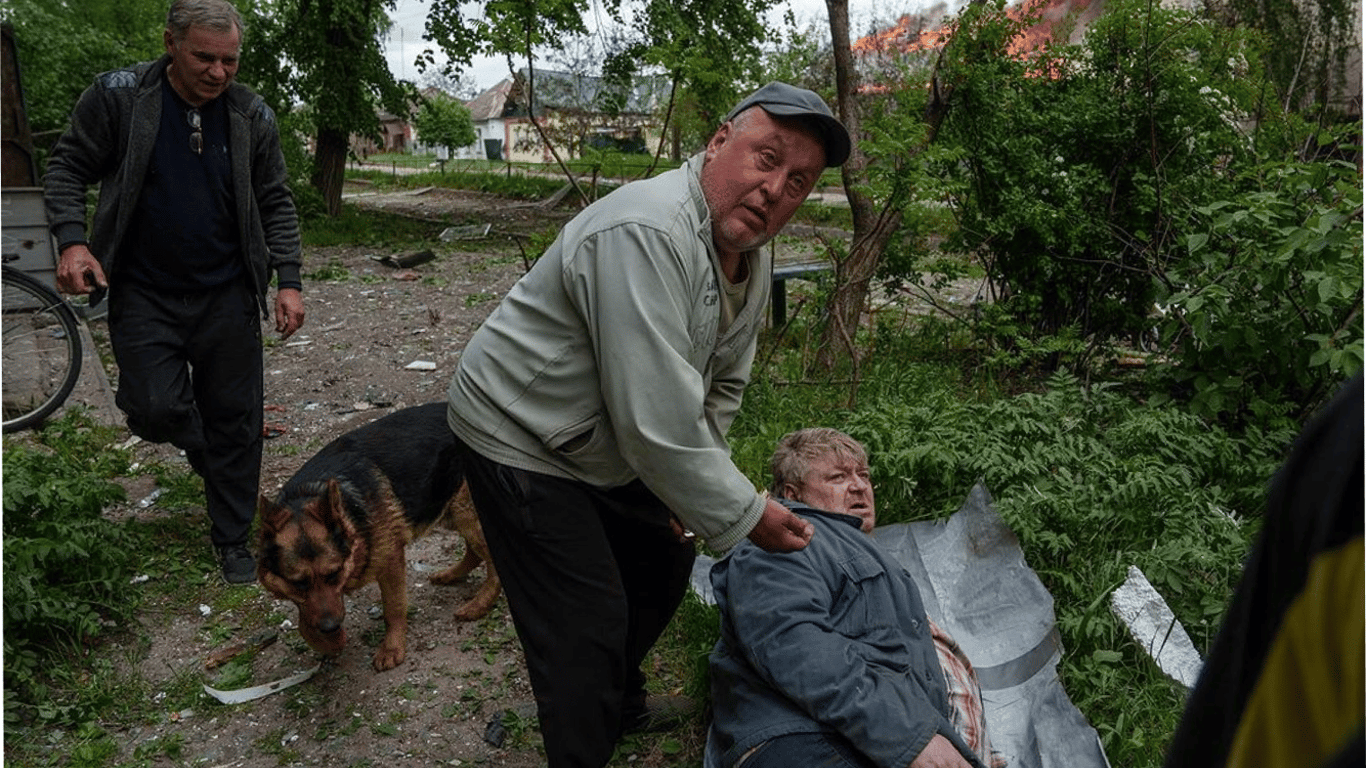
column 372, row 229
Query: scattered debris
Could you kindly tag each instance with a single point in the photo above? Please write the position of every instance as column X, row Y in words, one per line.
column 405, row 260
column 469, row 232
column 256, row 642
column 1155, row 628
column 205, row 610
column 257, row 691
column 420, row 365
column 150, row 498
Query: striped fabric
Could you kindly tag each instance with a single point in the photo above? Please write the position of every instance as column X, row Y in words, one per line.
column 965, row 697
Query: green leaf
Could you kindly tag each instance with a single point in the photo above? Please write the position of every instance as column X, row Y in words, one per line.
column 1102, row 656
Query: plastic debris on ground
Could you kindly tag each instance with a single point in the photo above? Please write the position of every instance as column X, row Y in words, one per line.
column 1153, row 625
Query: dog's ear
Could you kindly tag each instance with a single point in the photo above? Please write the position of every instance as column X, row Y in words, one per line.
column 273, row 516
column 332, row 512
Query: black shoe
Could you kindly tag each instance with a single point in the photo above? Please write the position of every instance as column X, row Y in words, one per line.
column 661, row 713
column 239, row 567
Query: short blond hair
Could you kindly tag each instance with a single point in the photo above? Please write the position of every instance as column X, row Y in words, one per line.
column 797, row 450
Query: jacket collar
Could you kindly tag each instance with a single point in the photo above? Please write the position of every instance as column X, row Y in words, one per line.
column 809, row 511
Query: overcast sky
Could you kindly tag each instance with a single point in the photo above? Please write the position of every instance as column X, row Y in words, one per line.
column 406, row 42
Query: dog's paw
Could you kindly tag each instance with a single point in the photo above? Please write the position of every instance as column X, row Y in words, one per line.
column 387, row 658
column 449, row 576
column 474, row 610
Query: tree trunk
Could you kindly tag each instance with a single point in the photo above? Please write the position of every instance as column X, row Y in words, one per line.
column 872, row 227
column 329, row 167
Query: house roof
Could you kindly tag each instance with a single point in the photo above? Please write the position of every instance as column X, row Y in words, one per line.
column 568, row 91
column 491, row 103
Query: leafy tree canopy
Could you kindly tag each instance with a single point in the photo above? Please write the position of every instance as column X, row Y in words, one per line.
column 61, row 46
column 444, row 122
column 326, row 54
column 710, row 49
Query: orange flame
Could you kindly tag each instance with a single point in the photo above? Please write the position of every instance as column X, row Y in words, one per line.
column 913, row 33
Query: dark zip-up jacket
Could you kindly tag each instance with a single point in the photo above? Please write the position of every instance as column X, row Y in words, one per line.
column 832, row 638
column 113, row 130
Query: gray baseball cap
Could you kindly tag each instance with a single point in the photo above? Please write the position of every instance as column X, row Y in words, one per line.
column 785, row 100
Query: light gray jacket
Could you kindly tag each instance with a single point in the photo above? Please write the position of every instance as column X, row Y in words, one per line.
column 603, row 364
column 113, row 130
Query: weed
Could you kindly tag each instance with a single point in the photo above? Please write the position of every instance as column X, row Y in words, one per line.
column 233, row 675
column 171, row 746
column 65, row 566
column 390, row 725
column 333, row 271
column 180, row 487
column 275, row 743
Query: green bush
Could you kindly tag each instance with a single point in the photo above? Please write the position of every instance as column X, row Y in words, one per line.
column 1071, row 173
column 1266, row 309
column 66, row 567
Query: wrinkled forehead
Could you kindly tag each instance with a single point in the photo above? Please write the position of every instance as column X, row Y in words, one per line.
column 837, row 457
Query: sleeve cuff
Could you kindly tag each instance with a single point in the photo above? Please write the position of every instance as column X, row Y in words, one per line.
column 732, row 536
column 288, row 276
column 69, row 234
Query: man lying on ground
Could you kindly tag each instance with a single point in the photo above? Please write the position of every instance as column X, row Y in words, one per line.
column 826, row 653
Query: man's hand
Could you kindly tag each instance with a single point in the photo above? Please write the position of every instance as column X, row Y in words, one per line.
column 939, row 753
column 289, row 311
column 780, row 531
column 79, row 272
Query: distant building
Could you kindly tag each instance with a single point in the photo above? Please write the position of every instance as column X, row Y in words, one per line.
column 396, row 135
column 576, row 111
column 486, row 110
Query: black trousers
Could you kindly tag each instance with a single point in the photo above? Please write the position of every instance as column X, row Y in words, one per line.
column 190, row 374
column 593, row 577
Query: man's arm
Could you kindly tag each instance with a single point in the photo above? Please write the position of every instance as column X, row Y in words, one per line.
column 280, row 222
column 940, row 753
column 779, row 530
column 83, row 154
column 636, row 290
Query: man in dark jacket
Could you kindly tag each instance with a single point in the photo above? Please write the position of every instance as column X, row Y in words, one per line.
column 193, row 217
column 1285, row 681
column 827, row 652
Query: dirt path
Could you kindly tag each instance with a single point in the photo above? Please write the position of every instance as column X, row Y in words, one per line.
column 377, row 338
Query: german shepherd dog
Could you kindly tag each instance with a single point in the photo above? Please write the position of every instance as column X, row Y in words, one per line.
column 343, row 520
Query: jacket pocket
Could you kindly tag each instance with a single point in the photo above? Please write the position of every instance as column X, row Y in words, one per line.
column 575, row 439
column 865, row 605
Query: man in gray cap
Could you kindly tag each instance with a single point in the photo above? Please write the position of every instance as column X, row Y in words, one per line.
column 593, row 404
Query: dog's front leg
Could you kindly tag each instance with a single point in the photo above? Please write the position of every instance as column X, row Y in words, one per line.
column 393, row 593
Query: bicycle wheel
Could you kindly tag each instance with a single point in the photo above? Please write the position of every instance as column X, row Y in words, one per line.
column 40, row 354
